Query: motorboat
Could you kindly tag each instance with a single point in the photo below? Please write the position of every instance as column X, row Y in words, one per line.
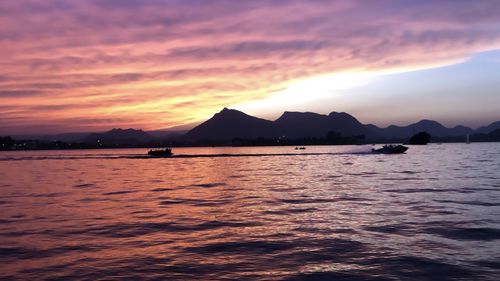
column 165, row 152
column 391, row 149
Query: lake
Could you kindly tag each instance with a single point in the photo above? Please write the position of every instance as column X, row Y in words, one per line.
column 324, row 213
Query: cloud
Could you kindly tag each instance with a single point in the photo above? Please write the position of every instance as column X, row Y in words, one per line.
column 253, row 49
column 16, row 93
column 190, row 57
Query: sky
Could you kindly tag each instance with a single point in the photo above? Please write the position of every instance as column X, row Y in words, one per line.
column 93, row 65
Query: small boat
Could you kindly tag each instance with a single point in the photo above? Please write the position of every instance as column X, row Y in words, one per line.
column 166, row 152
column 391, row 149
column 300, row 148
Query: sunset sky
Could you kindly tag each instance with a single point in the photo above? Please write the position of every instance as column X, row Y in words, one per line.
column 91, row 65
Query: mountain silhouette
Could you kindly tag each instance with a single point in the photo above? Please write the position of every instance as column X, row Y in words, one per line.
column 347, row 125
column 494, row 135
column 119, row 137
column 173, row 131
column 308, row 124
column 229, row 124
column 301, row 124
column 432, row 127
column 490, row 128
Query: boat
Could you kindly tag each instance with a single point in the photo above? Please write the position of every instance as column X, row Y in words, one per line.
column 165, row 152
column 391, row 149
column 300, row 148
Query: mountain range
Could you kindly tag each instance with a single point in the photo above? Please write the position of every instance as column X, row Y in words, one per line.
column 129, row 136
column 229, row 124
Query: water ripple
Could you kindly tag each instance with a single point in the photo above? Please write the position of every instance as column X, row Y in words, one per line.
column 262, row 213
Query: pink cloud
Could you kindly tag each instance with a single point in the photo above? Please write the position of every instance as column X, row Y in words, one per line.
column 192, row 57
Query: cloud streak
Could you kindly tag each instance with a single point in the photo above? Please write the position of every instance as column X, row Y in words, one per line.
column 168, row 62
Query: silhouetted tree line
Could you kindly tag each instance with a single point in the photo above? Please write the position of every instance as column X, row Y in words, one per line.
column 6, row 143
column 420, row 138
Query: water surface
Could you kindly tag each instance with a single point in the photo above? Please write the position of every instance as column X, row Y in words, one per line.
column 333, row 213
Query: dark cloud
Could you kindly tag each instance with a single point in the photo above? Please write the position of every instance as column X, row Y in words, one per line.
column 252, row 49
column 18, row 93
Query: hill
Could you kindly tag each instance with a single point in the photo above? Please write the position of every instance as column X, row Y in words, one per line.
column 229, row 124
column 119, row 137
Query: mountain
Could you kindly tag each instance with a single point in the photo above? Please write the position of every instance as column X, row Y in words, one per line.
column 302, row 124
column 347, row 125
column 308, row 124
column 229, row 124
column 432, row 127
column 494, row 135
column 490, row 128
column 172, row 131
column 119, row 137
column 161, row 134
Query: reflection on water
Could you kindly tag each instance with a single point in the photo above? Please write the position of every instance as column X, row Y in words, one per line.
column 333, row 213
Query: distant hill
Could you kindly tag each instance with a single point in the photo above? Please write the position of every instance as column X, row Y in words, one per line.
column 301, row 124
column 119, row 137
column 230, row 123
column 488, row 129
column 347, row 125
column 489, row 137
column 161, row 134
column 432, row 127
column 308, row 124
column 494, row 135
column 173, row 132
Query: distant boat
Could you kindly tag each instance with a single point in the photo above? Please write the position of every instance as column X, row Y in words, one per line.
column 300, row 148
column 391, row 149
column 166, row 152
